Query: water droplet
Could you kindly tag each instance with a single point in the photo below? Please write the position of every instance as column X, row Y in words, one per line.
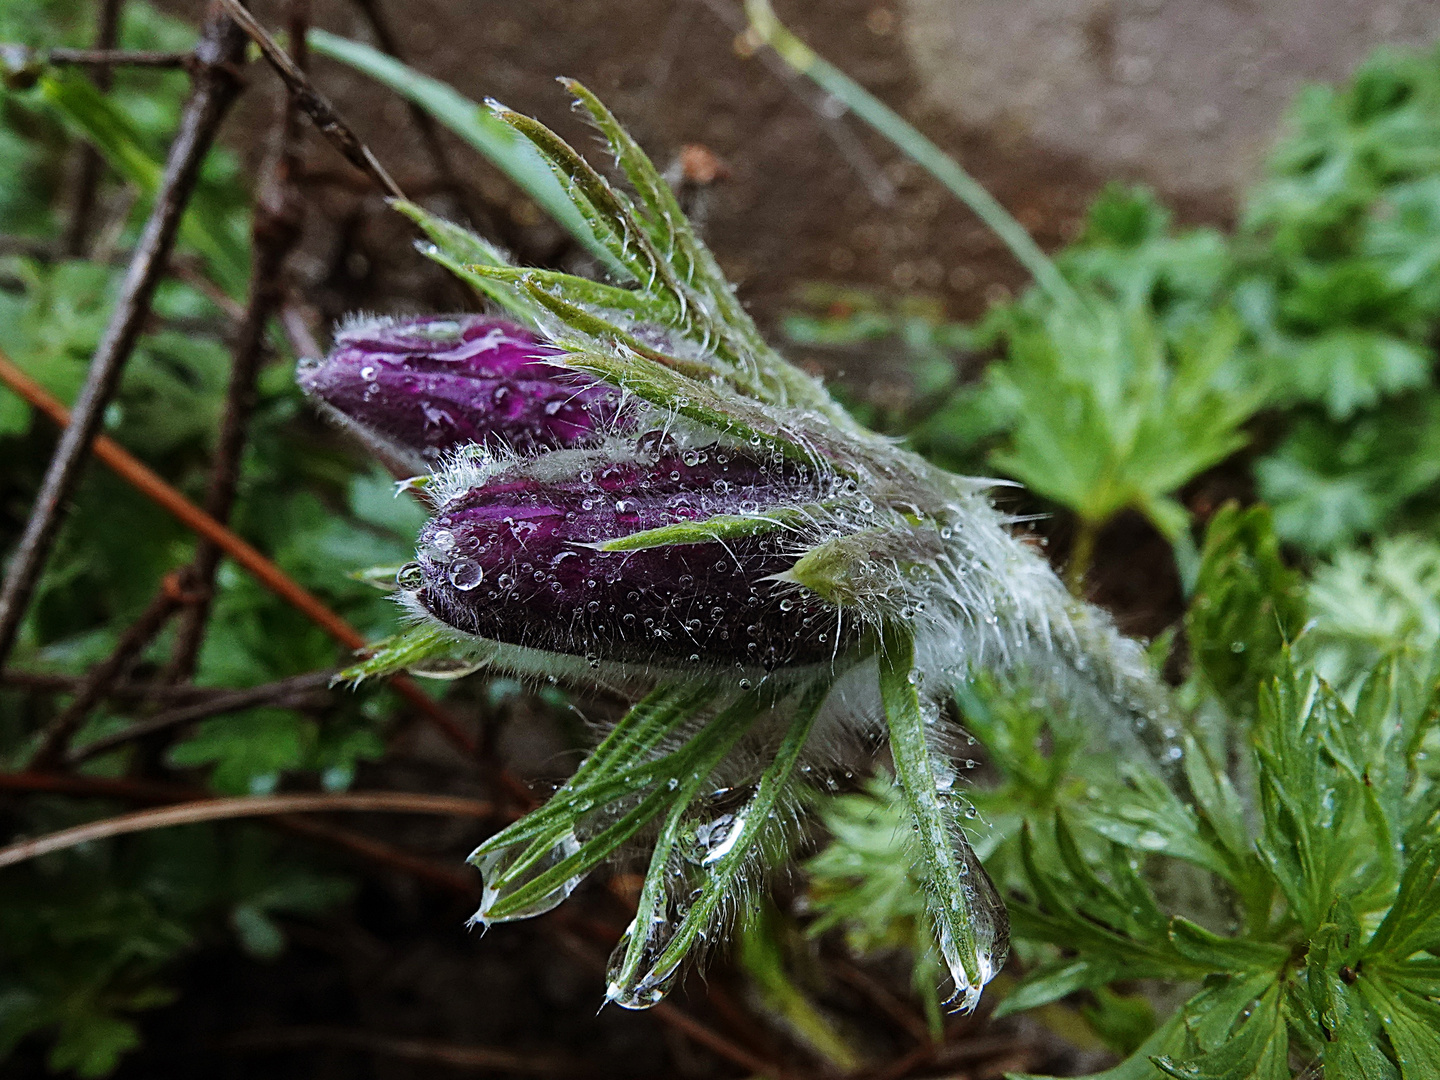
column 465, row 574
column 498, row 871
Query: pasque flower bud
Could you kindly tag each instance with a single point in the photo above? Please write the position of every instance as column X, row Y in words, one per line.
column 553, row 558
column 418, row 387
column 651, row 487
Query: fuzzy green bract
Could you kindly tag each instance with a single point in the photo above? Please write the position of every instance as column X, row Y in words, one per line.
column 821, row 587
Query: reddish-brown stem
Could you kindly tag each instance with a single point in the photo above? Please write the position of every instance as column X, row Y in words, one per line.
column 426, row 1051
column 144, row 480
column 463, row 883
column 882, row 999
column 102, row 787
column 365, row 847
column 673, row 1016
column 459, row 882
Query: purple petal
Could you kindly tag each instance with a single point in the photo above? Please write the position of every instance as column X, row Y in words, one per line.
column 507, row 561
column 423, row 386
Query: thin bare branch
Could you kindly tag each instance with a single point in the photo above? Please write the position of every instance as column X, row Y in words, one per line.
column 39, row 682
column 463, row 883
column 171, row 596
column 374, row 851
column 144, row 480
column 97, row 787
column 244, row 807
column 312, row 103
column 19, row 61
column 429, row 1051
column 286, row 693
column 880, row 998
column 275, row 230
column 216, row 85
column 92, row 165
column 673, row 1016
column 445, row 173
column 298, row 332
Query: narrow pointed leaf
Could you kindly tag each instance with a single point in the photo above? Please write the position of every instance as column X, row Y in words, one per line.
column 970, row 920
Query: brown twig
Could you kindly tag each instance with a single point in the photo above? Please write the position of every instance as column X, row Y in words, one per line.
column 192, row 273
column 881, row 998
column 148, row 483
column 313, row 103
column 429, row 1051
column 675, row 1017
column 371, row 850
column 97, row 787
column 44, row 683
column 275, row 230
column 22, row 57
column 215, row 87
column 92, row 165
column 458, row 882
column 281, row 694
column 906, row 1063
column 462, row 883
column 171, row 595
column 299, row 333
column 246, row 806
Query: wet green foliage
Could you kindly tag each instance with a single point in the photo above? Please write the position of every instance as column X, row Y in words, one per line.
column 1290, row 889
column 1293, row 889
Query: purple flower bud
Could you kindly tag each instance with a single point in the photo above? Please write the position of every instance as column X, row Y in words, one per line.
column 419, row 387
column 516, row 560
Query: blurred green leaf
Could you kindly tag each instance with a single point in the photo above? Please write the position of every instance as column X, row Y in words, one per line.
column 1332, row 484
column 211, row 225
column 248, row 750
column 1372, row 604
column 1108, row 417
column 1248, row 605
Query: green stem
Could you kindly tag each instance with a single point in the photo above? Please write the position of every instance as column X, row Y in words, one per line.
column 946, row 895
column 1082, row 554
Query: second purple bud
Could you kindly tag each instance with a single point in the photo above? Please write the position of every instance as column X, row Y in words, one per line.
column 415, row 388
